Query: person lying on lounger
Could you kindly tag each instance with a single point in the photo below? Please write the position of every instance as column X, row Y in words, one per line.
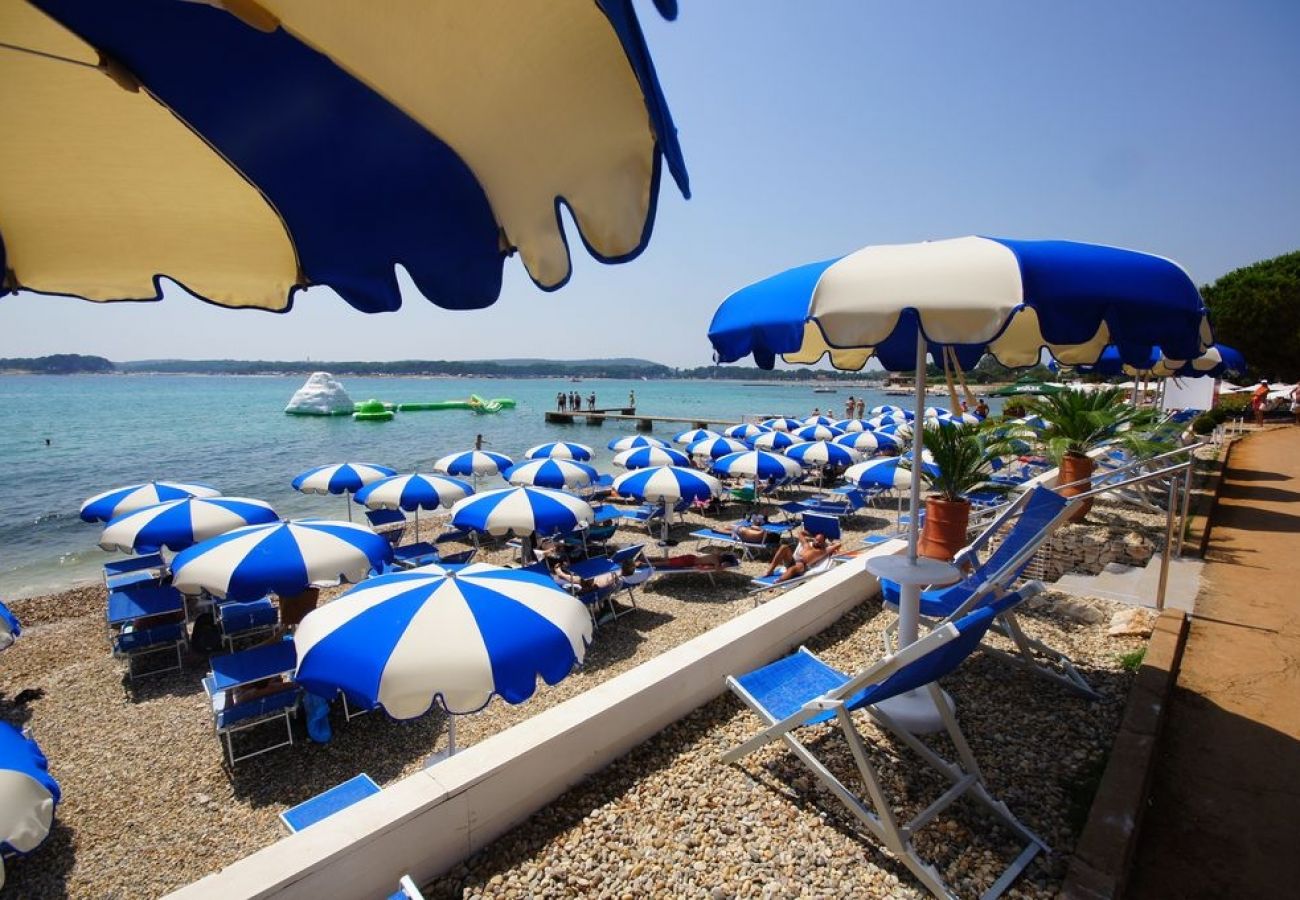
column 797, row 560
column 698, row 561
column 564, row 578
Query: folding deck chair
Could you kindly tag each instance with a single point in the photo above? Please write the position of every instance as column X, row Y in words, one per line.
column 390, row 524
column 239, row 620
column 802, row 690
column 727, row 563
column 748, row 549
column 1031, row 520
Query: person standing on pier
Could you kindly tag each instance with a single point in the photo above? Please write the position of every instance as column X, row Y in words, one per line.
column 849, row 406
column 631, row 399
column 591, row 401
column 559, row 401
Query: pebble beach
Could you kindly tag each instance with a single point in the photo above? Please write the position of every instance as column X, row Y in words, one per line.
column 148, row 804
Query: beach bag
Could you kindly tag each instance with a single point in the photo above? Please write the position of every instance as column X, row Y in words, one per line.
column 206, row 636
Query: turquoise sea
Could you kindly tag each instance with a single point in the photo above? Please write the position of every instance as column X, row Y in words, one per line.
column 231, row 432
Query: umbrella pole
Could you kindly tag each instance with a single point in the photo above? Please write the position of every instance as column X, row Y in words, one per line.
column 910, row 594
column 451, row 734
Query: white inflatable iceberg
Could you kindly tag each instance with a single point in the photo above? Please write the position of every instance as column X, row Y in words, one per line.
column 322, row 395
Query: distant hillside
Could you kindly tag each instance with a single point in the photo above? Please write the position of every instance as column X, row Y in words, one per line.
column 510, row 368
column 59, row 364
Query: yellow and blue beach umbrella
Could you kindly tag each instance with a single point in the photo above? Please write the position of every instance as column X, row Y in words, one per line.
column 178, row 524
column 28, row 795
column 247, row 150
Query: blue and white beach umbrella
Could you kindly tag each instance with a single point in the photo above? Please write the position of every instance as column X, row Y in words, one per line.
column 667, row 484
column 413, row 492
column 890, row 472
column 759, row 465
column 847, row 425
column 818, row 433
column 460, row 637
column 28, row 795
column 550, row 473
column 523, row 510
column 783, row 424
column 932, row 412
column 817, row 454
column 10, row 627
column 695, row 435
column 475, row 463
column 647, row 457
column 889, row 408
column 774, row 440
column 634, row 441
column 868, row 441
column 1037, row 423
column 283, row 558
column 178, row 524
column 715, row 447
column 818, row 420
column 119, row 501
column 900, row 432
column 886, row 419
column 559, row 450
column 340, row 478
column 744, row 431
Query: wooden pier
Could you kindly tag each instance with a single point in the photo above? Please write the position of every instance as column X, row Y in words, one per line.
column 644, row 421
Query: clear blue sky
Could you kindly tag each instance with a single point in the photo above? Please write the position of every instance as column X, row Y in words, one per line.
column 811, row 129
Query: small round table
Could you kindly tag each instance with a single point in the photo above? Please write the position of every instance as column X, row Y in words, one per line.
column 913, row 710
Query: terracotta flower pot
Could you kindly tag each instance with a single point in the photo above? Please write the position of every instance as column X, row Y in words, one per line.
column 944, row 532
column 1077, row 468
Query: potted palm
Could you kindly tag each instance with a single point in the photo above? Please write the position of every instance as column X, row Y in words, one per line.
column 1080, row 422
column 963, row 458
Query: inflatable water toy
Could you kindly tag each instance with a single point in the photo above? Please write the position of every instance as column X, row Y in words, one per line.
column 321, row 395
column 475, row 403
column 372, row 411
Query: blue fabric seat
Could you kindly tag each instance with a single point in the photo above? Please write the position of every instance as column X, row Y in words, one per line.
column 327, row 803
column 242, row 619
column 802, row 690
column 261, row 708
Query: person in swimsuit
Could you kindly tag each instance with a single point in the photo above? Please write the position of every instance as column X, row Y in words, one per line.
column 811, row 550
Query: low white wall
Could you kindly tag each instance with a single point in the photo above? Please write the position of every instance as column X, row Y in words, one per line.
column 426, row 823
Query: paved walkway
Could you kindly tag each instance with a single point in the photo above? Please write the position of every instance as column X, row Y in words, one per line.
column 1224, row 819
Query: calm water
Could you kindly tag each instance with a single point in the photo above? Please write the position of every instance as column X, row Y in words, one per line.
column 231, row 432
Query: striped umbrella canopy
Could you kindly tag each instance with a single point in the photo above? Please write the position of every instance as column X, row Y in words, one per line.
column 476, row 463
column 340, row 478
column 454, row 636
column 885, row 419
column 889, row 472
column 550, row 473
column 782, row 424
column 927, row 457
column 852, row 425
column 818, row 420
column 523, row 510
column 817, row 454
column 943, row 422
column 902, row 432
column 868, row 441
column 745, row 430
column 559, row 450
column 647, row 457
column 413, row 492
column 178, row 524
column 757, row 464
column 284, row 558
column 10, row 627
column 188, row 137
column 1216, row 361
column 934, row 411
column 667, row 484
column 633, row 441
column 888, row 409
column 685, row 438
column 119, row 501
column 774, row 440
column 28, row 794
column 818, row 433
column 1037, row 423
column 715, row 447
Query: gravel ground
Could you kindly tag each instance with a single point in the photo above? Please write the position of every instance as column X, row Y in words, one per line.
column 148, row 805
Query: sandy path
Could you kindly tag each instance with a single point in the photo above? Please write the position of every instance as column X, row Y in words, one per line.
column 1223, row 820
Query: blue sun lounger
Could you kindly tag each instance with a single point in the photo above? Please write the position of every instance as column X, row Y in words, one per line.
column 1023, row 528
column 801, row 690
column 327, row 803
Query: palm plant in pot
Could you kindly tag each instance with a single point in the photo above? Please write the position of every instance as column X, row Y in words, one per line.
column 1080, row 422
column 963, row 458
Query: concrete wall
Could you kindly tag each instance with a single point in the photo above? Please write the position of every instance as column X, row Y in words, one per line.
column 426, row 823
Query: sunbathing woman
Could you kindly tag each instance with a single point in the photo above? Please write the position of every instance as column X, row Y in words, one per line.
column 564, row 578
column 698, row 561
column 799, row 559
